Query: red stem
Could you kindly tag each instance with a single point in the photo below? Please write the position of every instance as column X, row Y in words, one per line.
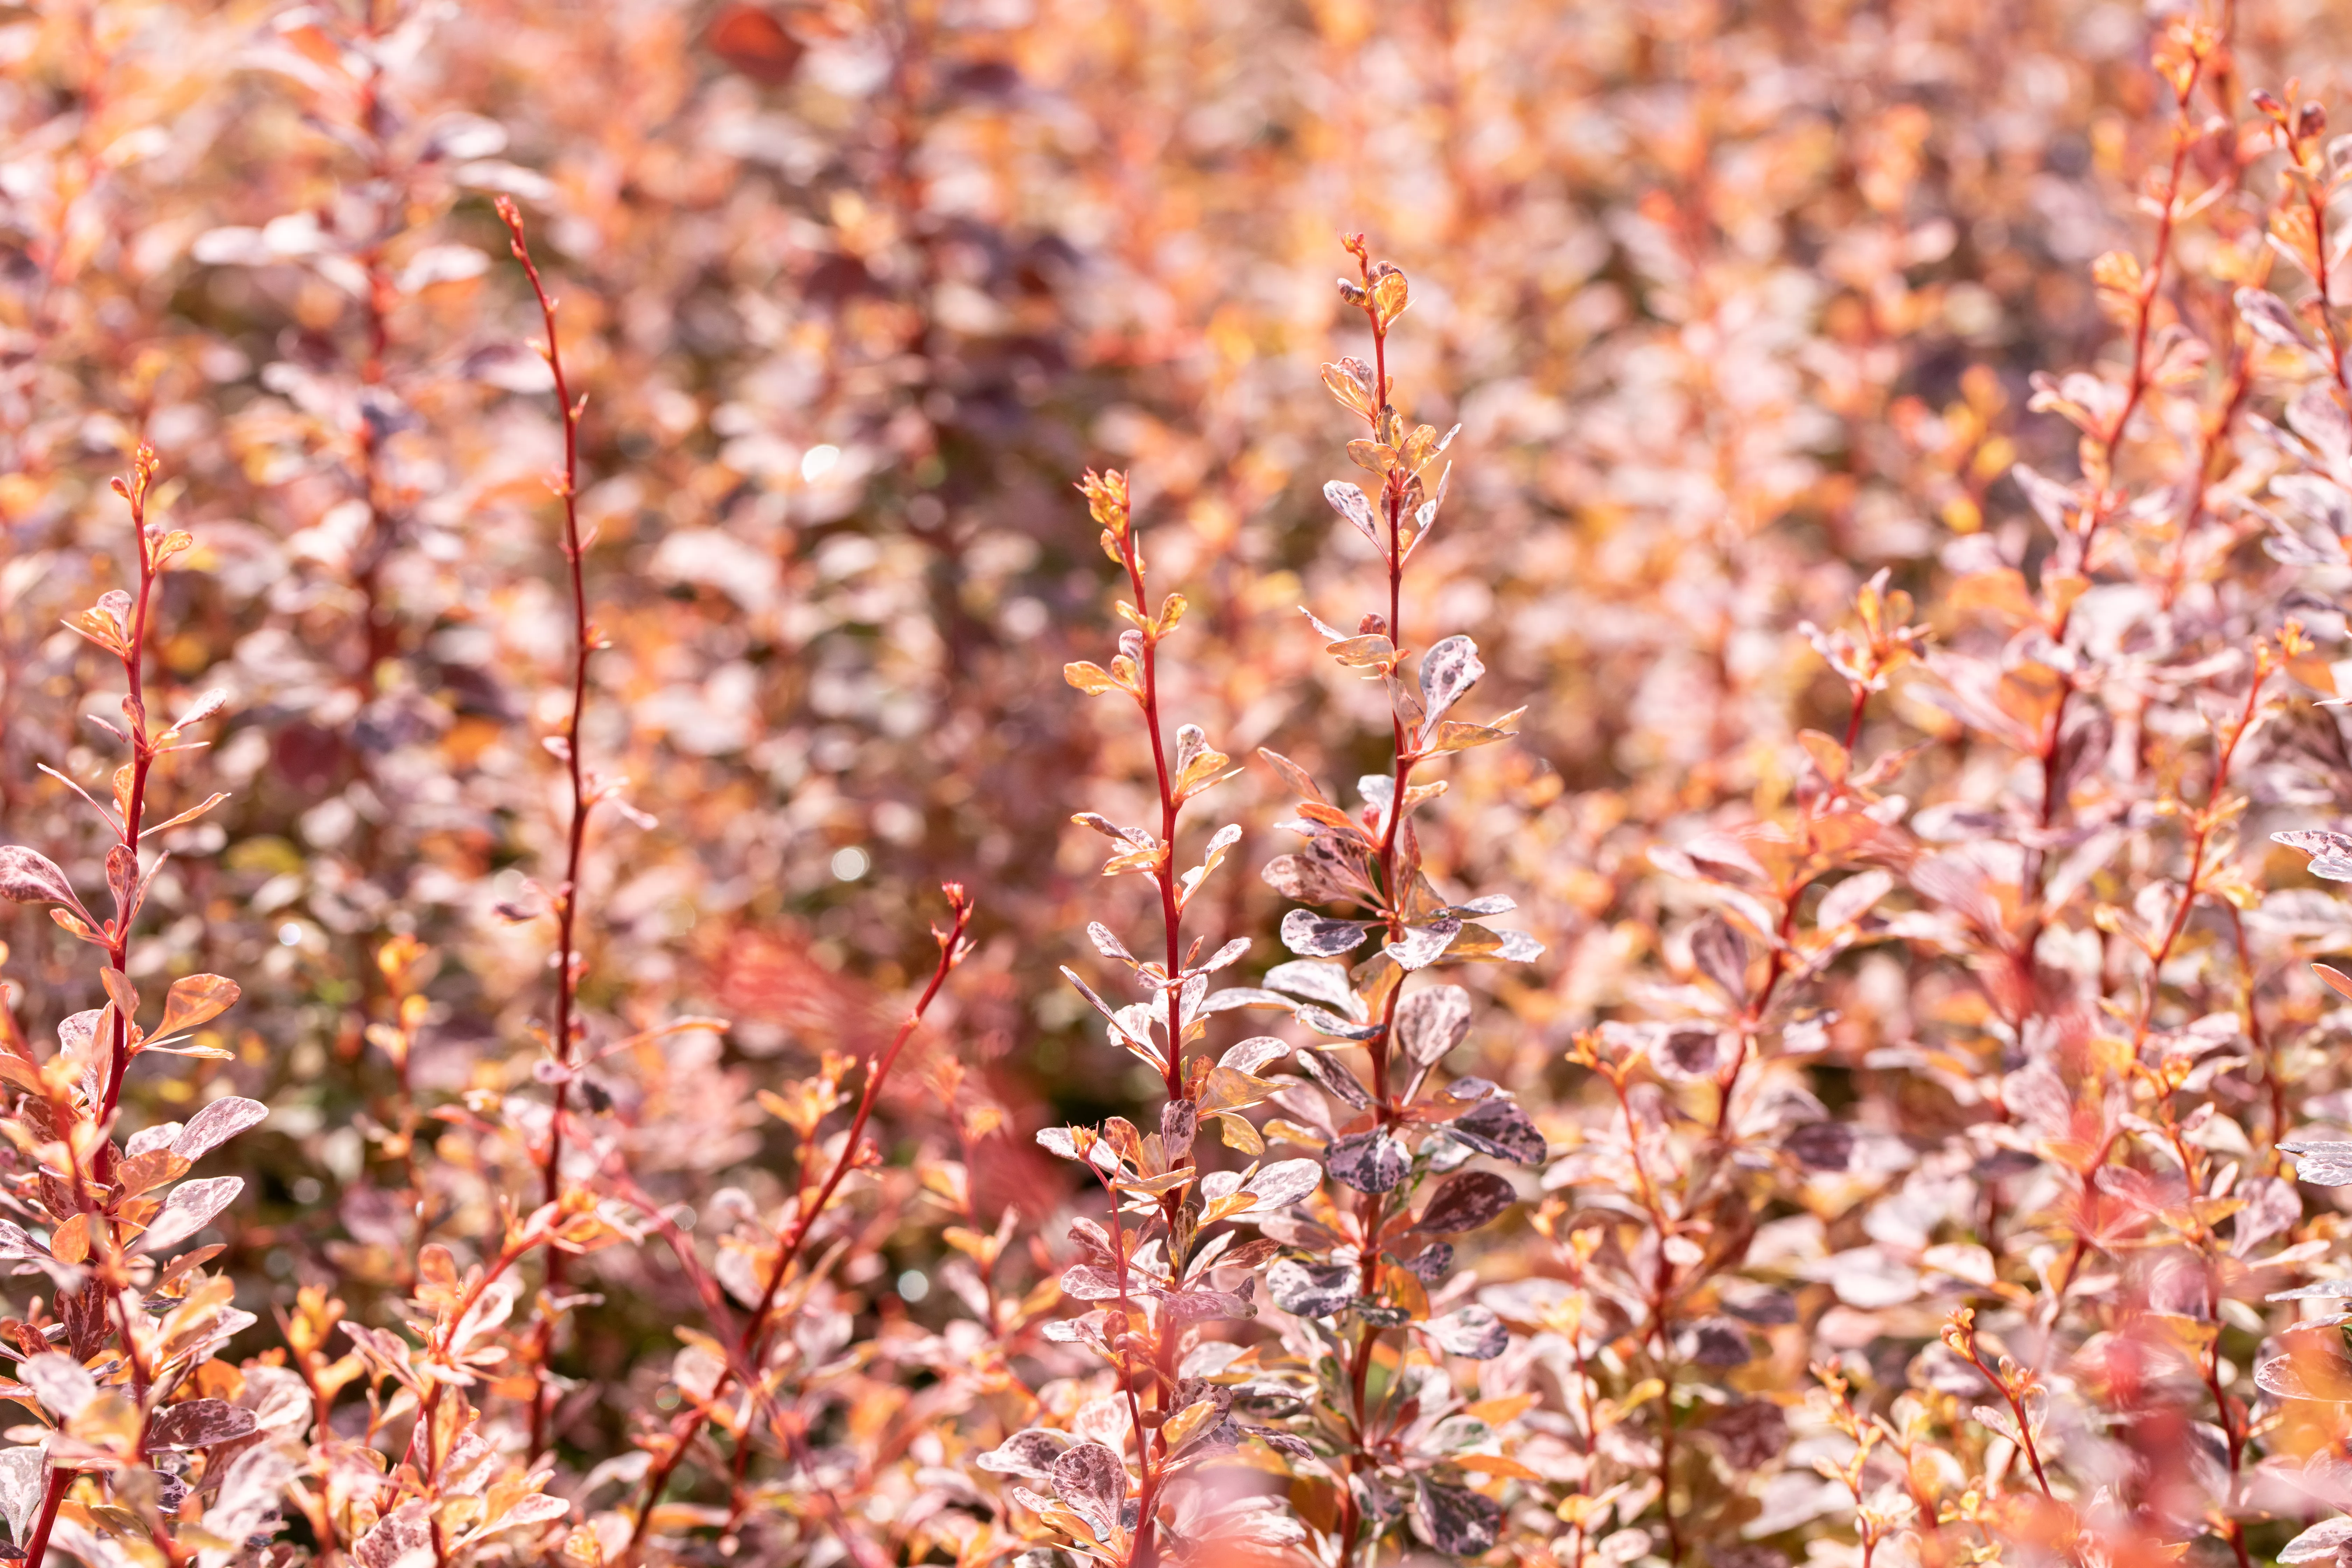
column 142, row 758
column 567, row 898
column 1392, row 499
column 2102, row 508
column 1145, row 1553
column 752, row 1344
column 118, row 945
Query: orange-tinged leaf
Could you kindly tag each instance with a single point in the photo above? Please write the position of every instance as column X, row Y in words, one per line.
column 1417, row 449
column 1347, row 390
column 756, row 44
column 197, row 999
column 980, row 1248
column 2336, row 980
column 1186, row 1423
column 1401, row 1290
column 1237, row 1132
column 1357, row 653
column 2312, row 672
column 153, row 1168
column 2002, row 591
column 120, row 991
column 69, row 1243
column 190, row 815
column 2118, row 270
column 1091, row 678
column 1225, row 1207
column 1496, row 1412
column 1460, row 735
column 1331, row 816
column 1828, row 756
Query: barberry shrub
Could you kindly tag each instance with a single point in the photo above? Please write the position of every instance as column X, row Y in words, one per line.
column 1906, row 485
column 1353, row 1399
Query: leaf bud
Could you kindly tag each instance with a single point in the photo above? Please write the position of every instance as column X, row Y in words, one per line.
column 1106, row 500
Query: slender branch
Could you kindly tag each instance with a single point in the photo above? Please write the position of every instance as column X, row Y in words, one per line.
column 135, row 490
column 1392, row 496
column 750, row 1345
column 124, row 878
column 2106, row 499
column 1146, row 1550
column 584, row 642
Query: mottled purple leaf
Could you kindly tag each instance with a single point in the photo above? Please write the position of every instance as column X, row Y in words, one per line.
column 1467, row 1200
column 1311, row 935
column 1092, row 1480
column 1491, row 904
column 2320, row 1290
column 1717, row 1342
column 1690, row 1052
column 2321, row 1164
column 1336, row 1079
column 1323, row 983
column 2330, row 852
column 1350, row 502
column 2318, row 419
column 400, row 1538
column 1201, row 1303
column 1325, row 1022
column 23, row 1472
column 1473, row 1333
column 1500, row 1128
column 1372, row 1162
column 199, row 1424
column 1447, row 671
column 1431, row 1021
column 1423, row 945
column 60, row 1382
column 1028, row 1452
column 1179, row 1120
column 1282, row 1183
column 1431, row 1263
column 1085, row 1282
column 1750, row 1432
column 2320, row 1543
column 1721, row 954
column 1254, row 1054
column 2268, row 318
column 215, row 1124
column 29, row 876
column 1821, row 1145
column 1311, row 1290
column 190, row 1208
column 1303, row 878
column 1456, row 1520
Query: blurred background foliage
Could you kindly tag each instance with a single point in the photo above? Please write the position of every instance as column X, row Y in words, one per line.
column 1737, row 305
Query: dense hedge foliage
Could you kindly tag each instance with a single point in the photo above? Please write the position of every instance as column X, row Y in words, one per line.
column 587, row 590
